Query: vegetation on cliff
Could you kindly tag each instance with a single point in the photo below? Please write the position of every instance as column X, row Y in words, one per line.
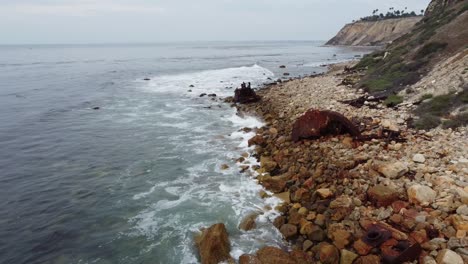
column 442, row 33
column 391, row 13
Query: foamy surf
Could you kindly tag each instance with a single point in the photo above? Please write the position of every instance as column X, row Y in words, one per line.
column 221, row 82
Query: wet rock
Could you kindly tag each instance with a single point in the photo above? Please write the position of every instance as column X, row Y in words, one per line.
column 245, row 95
column 448, row 256
column 329, row 254
column 203, row 94
column 268, row 164
column 392, row 170
column 279, row 221
column 249, row 259
column 274, row 184
column 382, row 195
column 257, row 140
column 420, row 194
column 419, row 158
column 282, row 66
column 213, row 244
column 248, row 223
column 316, row 234
column 285, row 196
column 191, row 86
column 316, row 123
column 347, row 257
column 288, row 231
column 96, row 108
column 212, row 95
column 274, row 255
column 224, row 167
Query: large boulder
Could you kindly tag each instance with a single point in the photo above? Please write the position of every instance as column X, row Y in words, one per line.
column 245, row 95
column 382, row 195
column 272, row 255
column 213, row 244
column 316, row 123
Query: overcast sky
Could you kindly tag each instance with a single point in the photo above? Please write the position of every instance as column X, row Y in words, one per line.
column 128, row 21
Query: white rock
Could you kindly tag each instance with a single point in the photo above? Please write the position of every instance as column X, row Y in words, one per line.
column 448, row 256
column 422, row 195
column 393, row 170
column 419, row 158
column 463, row 210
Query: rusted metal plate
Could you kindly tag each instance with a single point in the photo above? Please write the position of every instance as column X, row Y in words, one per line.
column 245, row 95
column 317, row 123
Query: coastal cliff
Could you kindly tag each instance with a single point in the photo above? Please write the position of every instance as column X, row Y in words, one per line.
column 373, row 33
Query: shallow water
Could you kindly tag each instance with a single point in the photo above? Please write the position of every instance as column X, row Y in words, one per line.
column 132, row 181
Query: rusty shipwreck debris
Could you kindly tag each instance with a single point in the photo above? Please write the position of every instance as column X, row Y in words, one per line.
column 316, row 123
column 376, row 235
column 245, row 95
column 401, row 252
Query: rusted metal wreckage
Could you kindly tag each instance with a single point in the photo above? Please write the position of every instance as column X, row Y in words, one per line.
column 316, row 123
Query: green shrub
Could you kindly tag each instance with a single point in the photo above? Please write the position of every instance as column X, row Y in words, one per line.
column 429, row 49
column 427, row 121
column 393, row 100
column 457, row 121
column 426, row 96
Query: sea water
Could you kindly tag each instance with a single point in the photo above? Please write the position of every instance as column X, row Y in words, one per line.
column 98, row 165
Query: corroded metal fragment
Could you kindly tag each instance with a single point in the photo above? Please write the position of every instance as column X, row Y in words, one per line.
column 245, row 95
column 317, row 123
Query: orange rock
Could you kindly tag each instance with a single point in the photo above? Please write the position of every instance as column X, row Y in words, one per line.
column 249, row 259
column 361, row 247
column 213, row 244
column 274, row 255
column 329, row 254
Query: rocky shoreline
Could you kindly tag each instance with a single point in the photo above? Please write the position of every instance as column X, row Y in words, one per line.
column 385, row 199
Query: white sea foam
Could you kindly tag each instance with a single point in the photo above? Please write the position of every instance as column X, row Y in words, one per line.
column 221, row 82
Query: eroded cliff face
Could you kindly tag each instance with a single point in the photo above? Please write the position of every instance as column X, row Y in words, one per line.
column 373, row 33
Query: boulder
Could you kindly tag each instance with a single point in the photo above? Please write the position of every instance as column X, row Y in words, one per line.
column 288, row 231
column 329, row 254
column 213, row 244
column 274, row 256
column 274, row 184
column 245, row 95
column 248, row 223
column 422, row 195
column 249, row 259
column 317, row 123
column 382, row 195
column 284, row 196
column 448, row 256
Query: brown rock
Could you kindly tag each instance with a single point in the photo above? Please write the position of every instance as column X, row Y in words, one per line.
column 316, row 234
column 274, row 256
column 371, row 259
column 249, row 259
column 274, row 184
column 341, row 238
column 288, row 231
column 382, row 195
column 213, row 244
column 248, row 223
column 256, row 140
column 301, row 257
column 341, row 202
column 279, row 221
column 324, row 193
column 268, row 164
column 300, row 194
column 285, row 196
column 307, row 245
column 398, row 205
column 329, row 254
column 361, row 247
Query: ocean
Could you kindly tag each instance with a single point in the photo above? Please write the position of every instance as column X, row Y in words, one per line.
column 99, row 165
